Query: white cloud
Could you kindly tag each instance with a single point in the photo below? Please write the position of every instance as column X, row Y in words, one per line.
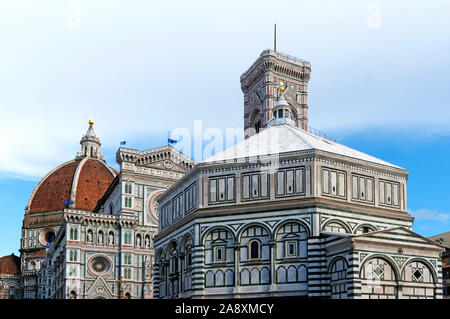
column 144, row 68
column 428, row 214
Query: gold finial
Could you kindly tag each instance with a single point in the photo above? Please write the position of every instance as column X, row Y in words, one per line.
column 91, row 122
column 281, row 88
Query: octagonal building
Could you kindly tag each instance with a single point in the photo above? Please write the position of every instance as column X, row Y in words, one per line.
column 289, row 213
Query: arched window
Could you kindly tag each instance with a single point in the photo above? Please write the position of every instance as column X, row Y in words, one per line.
column 162, row 267
column 254, row 249
column 291, row 240
column 110, row 209
column 128, row 202
column 257, row 126
column 338, row 273
column 173, row 259
column 335, row 227
column 189, row 256
column 72, row 271
column 418, row 281
column 12, row 292
column 73, row 295
column 364, row 229
column 378, row 278
column 280, row 113
column 127, row 238
column 128, row 189
column 127, row 295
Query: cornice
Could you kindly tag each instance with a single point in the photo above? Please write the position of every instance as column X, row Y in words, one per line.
column 152, row 155
column 90, row 217
column 284, row 204
column 303, row 156
column 296, row 69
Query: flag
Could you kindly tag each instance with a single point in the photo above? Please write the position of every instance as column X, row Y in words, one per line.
column 170, row 141
column 123, row 142
column 48, row 245
column 68, row 202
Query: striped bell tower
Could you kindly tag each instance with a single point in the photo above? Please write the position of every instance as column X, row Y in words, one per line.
column 260, row 85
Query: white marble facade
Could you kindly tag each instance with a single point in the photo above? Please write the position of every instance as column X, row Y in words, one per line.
column 108, row 253
column 290, row 213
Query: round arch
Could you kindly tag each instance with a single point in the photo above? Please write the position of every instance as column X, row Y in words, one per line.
column 158, row 254
column 374, row 228
column 386, row 259
column 340, row 222
column 172, row 242
column 243, row 228
column 287, row 221
column 209, row 230
column 293, row 111
column 256, row 118
column 185, row 238
column 334, row 260
column 425, row 262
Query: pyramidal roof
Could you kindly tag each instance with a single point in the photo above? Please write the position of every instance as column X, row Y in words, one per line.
column 90, row 132
column 286, row 139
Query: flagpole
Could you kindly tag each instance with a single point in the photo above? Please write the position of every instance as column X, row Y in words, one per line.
column 275, row 37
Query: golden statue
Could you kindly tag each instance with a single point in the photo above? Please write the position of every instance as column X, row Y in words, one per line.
column 282, row 87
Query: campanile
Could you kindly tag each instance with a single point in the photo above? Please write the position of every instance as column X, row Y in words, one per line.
column 260, row 85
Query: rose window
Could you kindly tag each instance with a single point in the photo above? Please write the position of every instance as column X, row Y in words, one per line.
column 100, row 265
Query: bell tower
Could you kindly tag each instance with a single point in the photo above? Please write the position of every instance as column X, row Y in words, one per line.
column 260, row 85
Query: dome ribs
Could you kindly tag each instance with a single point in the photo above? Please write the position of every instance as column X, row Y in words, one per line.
column 93, row 182
column 56, row 186
column 94, row 179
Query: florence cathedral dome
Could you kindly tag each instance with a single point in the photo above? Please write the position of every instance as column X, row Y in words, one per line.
column 83, row 180
column 78, row 183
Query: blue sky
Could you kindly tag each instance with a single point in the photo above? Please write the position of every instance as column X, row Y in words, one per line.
column 379, row 82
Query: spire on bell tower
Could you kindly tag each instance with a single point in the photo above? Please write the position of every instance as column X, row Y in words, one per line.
column 90, row 144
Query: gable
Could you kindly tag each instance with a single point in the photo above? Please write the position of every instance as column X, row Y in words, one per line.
column 99, row 289
column 399, row 234
column 166, row 165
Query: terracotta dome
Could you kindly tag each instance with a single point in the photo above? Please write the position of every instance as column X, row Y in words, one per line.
column 10, row 265
column 82, row 181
